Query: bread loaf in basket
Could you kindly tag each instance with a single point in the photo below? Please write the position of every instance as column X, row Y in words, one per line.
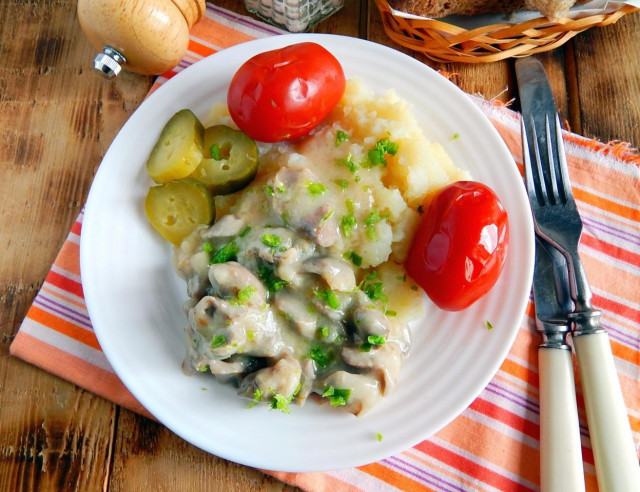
column 553, row 9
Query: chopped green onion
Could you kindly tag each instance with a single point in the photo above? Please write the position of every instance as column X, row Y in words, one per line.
column 272, row 240
column 374, row 292
column 245, row 231
column 315, row 189
column 341, row 136
column 329, row 297
column 488, row 325
column 348, row 161
column 218, row 341
column 351, row 206
column 257, row 396
column 347, row 223
column 456, row 136
column 281, row 188
column 379, row 437
column 272, row 282
column 338, row 397
column 203, row 368
column 323, row 332
column 354, row 257
column 376, row 339
column 326, row 216
column 322, row 356
column 226, row 253
column 268, row 189
column 342, row 183
column 244, row 295
column 390, row 312
column 207, row 247
column 281, row 402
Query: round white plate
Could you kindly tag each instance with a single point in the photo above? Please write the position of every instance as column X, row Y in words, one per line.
column 134, row 297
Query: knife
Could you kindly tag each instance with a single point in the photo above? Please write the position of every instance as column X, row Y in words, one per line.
column 560, row 448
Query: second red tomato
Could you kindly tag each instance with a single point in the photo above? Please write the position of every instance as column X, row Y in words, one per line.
column 283, row 94
column 460, row 247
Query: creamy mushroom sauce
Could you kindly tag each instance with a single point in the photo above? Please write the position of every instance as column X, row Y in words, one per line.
column 311, row 296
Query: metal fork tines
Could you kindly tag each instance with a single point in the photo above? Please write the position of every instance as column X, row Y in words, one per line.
column 554, row 208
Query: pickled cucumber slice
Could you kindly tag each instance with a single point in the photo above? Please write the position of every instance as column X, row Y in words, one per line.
column 178, row 151
column 230, row 160
column 175, row 209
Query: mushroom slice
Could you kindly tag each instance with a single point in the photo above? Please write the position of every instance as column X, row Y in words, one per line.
column 336, row 271
column 231, row 278
column 363, row 390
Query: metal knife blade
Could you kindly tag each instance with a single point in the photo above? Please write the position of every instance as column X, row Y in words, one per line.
column 551, row 294
column 536, row 103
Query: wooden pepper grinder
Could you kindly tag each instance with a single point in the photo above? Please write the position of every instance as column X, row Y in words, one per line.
column 142, row 36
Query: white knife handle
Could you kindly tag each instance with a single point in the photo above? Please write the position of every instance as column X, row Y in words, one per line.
column 613, row 447
column 560, row 449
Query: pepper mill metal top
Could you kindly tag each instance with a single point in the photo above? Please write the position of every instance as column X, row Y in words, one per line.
column 109, row 62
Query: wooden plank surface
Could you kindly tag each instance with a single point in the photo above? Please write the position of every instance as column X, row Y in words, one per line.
column 58, row 117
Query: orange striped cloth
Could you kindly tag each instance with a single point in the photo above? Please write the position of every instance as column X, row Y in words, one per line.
column 494, row 444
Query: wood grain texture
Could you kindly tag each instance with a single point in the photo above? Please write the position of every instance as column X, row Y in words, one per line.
column 57, row 119
column 608, row 81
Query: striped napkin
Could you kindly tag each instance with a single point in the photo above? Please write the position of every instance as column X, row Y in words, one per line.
column 494, row 444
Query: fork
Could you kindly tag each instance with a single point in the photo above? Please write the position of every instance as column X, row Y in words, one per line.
column 558, row 222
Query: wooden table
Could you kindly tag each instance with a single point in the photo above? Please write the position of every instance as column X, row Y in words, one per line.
column 57, row 119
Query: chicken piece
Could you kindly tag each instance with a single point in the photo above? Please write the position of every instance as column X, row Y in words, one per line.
column 229, row 279
column 336, row 271
column 364, row 390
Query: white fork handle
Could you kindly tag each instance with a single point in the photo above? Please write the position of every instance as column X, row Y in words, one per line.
column 614, row 450
column 560, row 449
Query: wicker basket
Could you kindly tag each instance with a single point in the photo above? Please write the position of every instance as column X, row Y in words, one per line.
column 445, row 42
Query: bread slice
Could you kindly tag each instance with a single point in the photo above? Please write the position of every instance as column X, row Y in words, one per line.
column 553, row 9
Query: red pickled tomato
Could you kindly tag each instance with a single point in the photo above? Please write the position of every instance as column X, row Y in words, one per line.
column 460, row 246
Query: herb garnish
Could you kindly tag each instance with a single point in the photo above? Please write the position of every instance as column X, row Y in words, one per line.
column 328, row 296
column 218, row 341
column 338, row 397
column 271, row 281
column 354, row 257
column 383, row 147
column 272, row 240
column 348, row 161
column 322, row 356
column 226, row 253
column 341, row 136
column 315, row 189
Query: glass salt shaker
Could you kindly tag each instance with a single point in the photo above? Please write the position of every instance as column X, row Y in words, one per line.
column 293, row 15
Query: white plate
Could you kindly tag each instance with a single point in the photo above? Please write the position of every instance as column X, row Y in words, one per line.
column 134, row 297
